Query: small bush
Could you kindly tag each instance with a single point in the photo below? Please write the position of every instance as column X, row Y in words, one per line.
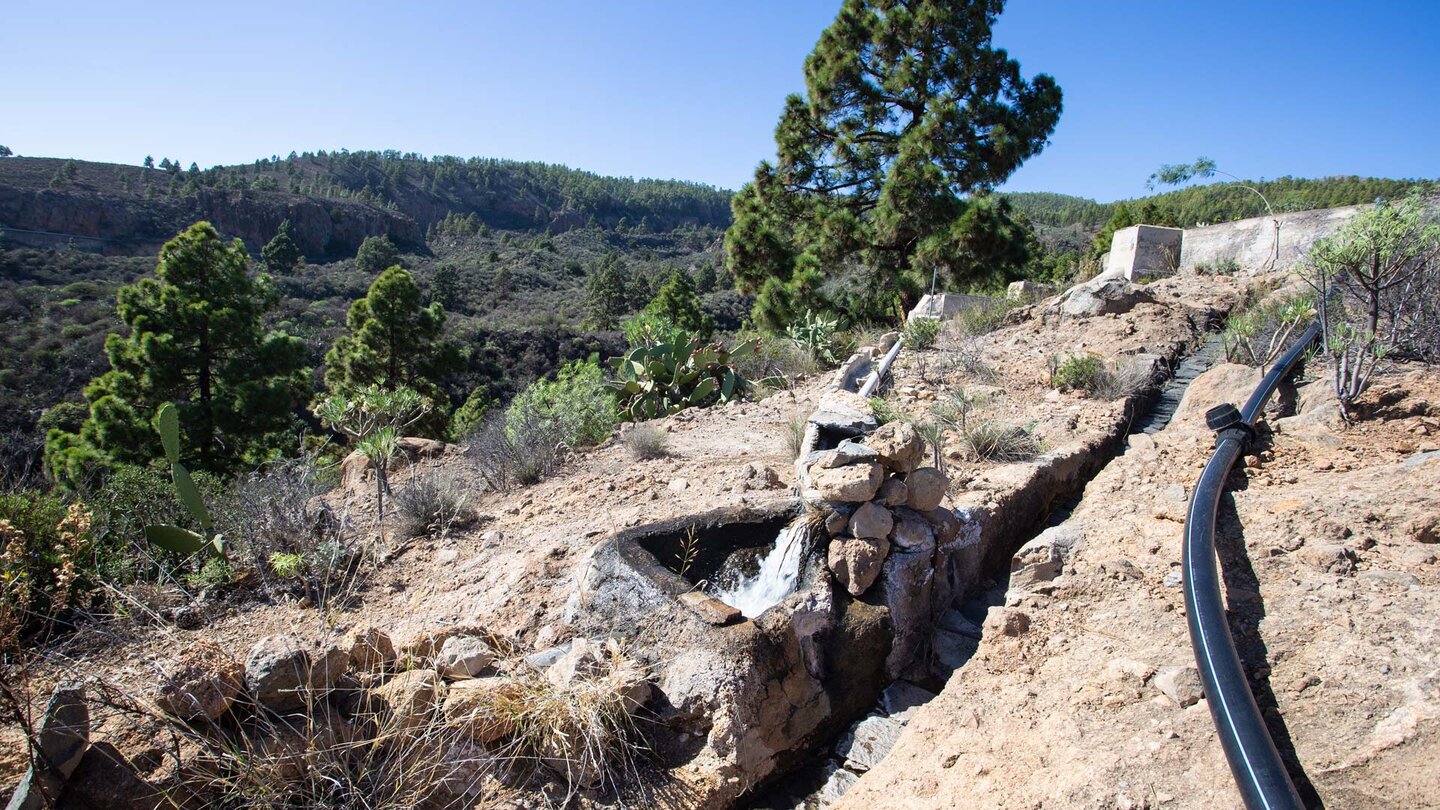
column 645, row 442
column 1077, row 372
column 1220, row 267
column 1257, row 334
column 508, row 458
column 993, row 441
column 430, row 503
column 1100, row 380
column 885, row 412
column 578, row 405
column 774, row 363
column 983, row 320
column 817, row 336
column 920, row 333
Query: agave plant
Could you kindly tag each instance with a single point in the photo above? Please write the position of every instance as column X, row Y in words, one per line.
column 679, row 372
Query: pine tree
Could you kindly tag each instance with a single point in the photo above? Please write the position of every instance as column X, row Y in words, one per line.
column 375, row 255
column 606, row 299
column 445, row 286
column 678, row 302
column 909, row 111
column 393, row 341
column 280, row 254
column 196, row 338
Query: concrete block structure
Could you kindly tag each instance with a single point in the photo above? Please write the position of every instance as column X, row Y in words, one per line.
column 1144, row 250
column 944, row 306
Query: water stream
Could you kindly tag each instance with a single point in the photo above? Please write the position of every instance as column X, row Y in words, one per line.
column 779, row 570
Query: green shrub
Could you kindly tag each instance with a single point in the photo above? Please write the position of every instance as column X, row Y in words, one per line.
column 885, row 412
column 430, row 503
column 578, row 403
column 1078, row 372
column 1257, row 334
column 920, row 333
column 1220, row 267
column 982, row 320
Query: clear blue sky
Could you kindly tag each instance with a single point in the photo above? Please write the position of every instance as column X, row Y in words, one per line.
column 691, row 90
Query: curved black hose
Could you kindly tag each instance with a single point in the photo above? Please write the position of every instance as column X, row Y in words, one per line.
column 1254, row 761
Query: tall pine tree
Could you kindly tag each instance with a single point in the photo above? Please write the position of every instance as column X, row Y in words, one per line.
column 909, row 112
column 196, row 338
column 606, row 299
column 394, row 340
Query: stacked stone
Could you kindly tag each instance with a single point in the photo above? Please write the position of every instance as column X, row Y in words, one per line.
column 888, row 530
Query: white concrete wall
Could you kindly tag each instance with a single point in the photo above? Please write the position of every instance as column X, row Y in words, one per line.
column 1250, row 241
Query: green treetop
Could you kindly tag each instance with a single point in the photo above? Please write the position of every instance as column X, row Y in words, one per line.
column 908, row 112
column 196, row 338
column 376, row 253
column 606, row 300
column 678, row 302
column 280, row 254
column 393, row 340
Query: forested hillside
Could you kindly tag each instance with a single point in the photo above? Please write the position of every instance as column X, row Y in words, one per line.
column 1217, row 202
column 507, row 248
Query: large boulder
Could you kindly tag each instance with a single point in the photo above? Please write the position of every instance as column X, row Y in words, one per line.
column 856, row 562
column 899, row 445
column 201, row 684
column 856, row 483
column 1043, row 556
column 906, row 586
column 1105, row 295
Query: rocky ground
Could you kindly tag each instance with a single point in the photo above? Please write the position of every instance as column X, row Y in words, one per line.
column 1083, row 692
column 1078, row 695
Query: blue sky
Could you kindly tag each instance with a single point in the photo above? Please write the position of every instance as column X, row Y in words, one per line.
column 691, row 90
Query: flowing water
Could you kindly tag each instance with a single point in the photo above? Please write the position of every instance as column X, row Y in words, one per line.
column 779, row 570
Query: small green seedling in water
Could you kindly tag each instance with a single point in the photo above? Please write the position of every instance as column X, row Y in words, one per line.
column 175, row 538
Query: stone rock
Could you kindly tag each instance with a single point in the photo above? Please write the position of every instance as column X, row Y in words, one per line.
column 106, row 778
column 844, row 413
column 848, row 452
column 901, row 698
column 414, row 448
column 894, row 492
column 946, row 524
column 837, row 782
column 1180, row 684
column 756, row 476
column 328, row 665
column 484, row 709
column 899, row 445
column 952, row 649
column 711, row 610
column 955, row 621
column 62, row 740
column 463, row 657
column 871, row 521
column 837, row 521
column 868, row 741
column 275, row 672
column 1028, row 290
column 201, row 684
column 855, row 483
column 424, row 644
column 371, row 649
column 554, row 634
column 543, row 659
column 1007, row 621
column 353, row 470
column 906, row 589
column 1226, row 382
column 912, row 531
column 584, row 659
column 1104, row 295
column 1330, row 557
column 926, row 489
column 857, row 562
column 407, row 700
column 678, row 485
column 1043, row 557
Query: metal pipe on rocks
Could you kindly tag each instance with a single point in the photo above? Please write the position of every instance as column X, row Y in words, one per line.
column 1254, row 761
column 873, row 381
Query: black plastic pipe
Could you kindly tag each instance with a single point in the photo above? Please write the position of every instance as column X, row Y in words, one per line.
column 1259, row 773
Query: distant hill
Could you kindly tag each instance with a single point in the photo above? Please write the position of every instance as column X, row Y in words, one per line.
column 334, row 200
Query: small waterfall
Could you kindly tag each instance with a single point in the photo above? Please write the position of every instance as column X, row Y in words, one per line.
column 779, row 569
